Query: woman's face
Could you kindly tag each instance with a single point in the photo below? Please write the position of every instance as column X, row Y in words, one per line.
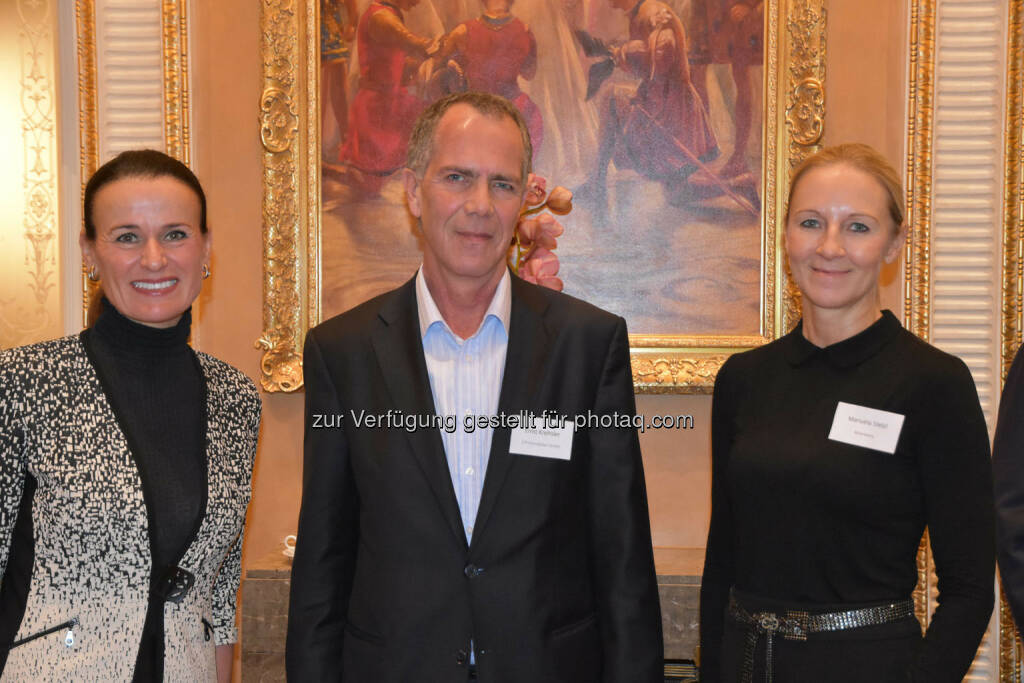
column 149, row 251
column 838, row 235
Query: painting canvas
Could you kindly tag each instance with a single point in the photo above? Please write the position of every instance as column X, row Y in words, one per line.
column 650, row 111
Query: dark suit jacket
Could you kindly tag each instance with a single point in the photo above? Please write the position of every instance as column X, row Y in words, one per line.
column 1008, row 476
column 559, row 582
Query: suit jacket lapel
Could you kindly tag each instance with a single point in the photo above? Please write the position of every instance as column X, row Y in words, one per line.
column 524, row 368
column 399, row 351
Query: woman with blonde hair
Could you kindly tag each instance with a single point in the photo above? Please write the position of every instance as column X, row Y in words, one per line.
column 832, row 449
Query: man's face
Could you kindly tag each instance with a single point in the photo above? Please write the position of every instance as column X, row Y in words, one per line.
column 469, row 197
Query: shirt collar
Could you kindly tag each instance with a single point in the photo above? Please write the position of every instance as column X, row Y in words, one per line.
column 848, row 352
column 500, row 306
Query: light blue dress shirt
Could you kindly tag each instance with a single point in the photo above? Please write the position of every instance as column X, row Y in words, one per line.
column 465, row 380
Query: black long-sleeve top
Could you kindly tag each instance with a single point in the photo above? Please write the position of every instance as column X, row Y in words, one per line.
column 156, row 389
column 1008, row 475
column 798, row 517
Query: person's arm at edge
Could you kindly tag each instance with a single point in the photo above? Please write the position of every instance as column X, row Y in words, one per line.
column 956, row 475
column 229, row 576
column 325, row 551
column 12, row 464
column 719, row 563
column 625, row 580
column 1008, row 477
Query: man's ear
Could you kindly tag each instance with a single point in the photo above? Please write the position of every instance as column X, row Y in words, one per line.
column 412, row 191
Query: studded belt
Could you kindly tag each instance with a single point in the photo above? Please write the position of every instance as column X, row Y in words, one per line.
column 796, row 625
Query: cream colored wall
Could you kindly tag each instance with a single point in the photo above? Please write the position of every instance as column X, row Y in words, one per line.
column 30, row 253
column 226, row 87
column 867, row 91
column 866, row 102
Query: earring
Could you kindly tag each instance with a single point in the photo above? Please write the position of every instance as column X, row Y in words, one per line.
column 93, row 275
column 206, row 271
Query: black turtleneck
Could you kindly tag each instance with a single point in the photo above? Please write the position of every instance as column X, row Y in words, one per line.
column 155, row 387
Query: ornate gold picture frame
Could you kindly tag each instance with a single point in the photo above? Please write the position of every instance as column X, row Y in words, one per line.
column 289, row 110
column 1011, row 650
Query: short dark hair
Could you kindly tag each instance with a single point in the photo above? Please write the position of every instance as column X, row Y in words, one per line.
column 139, row 163
column 421, row 142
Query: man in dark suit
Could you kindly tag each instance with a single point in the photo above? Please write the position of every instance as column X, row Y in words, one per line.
column 432, row 552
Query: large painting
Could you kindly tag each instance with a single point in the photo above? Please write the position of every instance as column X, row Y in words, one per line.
column 665, row 118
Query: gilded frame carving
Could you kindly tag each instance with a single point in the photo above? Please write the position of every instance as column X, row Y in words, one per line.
column 917, row 254
column 920, row 113
column 918, row 257
column 1011, row 650
column 88, row 137
column 794, row 115
column 177, row 108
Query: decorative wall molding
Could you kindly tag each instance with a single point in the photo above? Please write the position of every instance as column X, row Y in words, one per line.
column 177, row 113
column 805, row 121
column 285, row 318
column 1011, row 651
column 966, row 190
column 32, row 311
column 921, row 87
column 129, row 75
column 954, row 159
column 966, row 204
column 88, row 135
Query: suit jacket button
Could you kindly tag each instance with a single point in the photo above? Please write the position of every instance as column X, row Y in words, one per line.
column 461, row 657
column 472, row 571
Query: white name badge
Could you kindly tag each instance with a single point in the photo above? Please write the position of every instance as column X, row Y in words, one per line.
column 867, row 427
column 553, row 442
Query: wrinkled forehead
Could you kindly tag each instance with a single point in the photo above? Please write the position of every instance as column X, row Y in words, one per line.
column 461, row 121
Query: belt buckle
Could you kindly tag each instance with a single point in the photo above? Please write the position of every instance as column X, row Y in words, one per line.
column 796, row 623
column 768, row 621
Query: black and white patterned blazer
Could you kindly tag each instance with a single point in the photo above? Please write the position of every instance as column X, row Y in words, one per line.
column 92, row 562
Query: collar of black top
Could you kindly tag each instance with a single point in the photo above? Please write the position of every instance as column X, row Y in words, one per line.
column 123, row 334
column 847, row 353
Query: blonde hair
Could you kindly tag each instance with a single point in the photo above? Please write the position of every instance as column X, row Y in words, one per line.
column 862, row 157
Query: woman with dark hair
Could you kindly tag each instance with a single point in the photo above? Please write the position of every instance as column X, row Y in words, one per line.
column 126, row 457
column 832, row 449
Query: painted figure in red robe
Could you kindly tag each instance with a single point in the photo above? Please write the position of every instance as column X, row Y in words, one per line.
column 491, row 52
column 383, row 110
column 731, row 32
column 660, row 128
column 337, row 29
